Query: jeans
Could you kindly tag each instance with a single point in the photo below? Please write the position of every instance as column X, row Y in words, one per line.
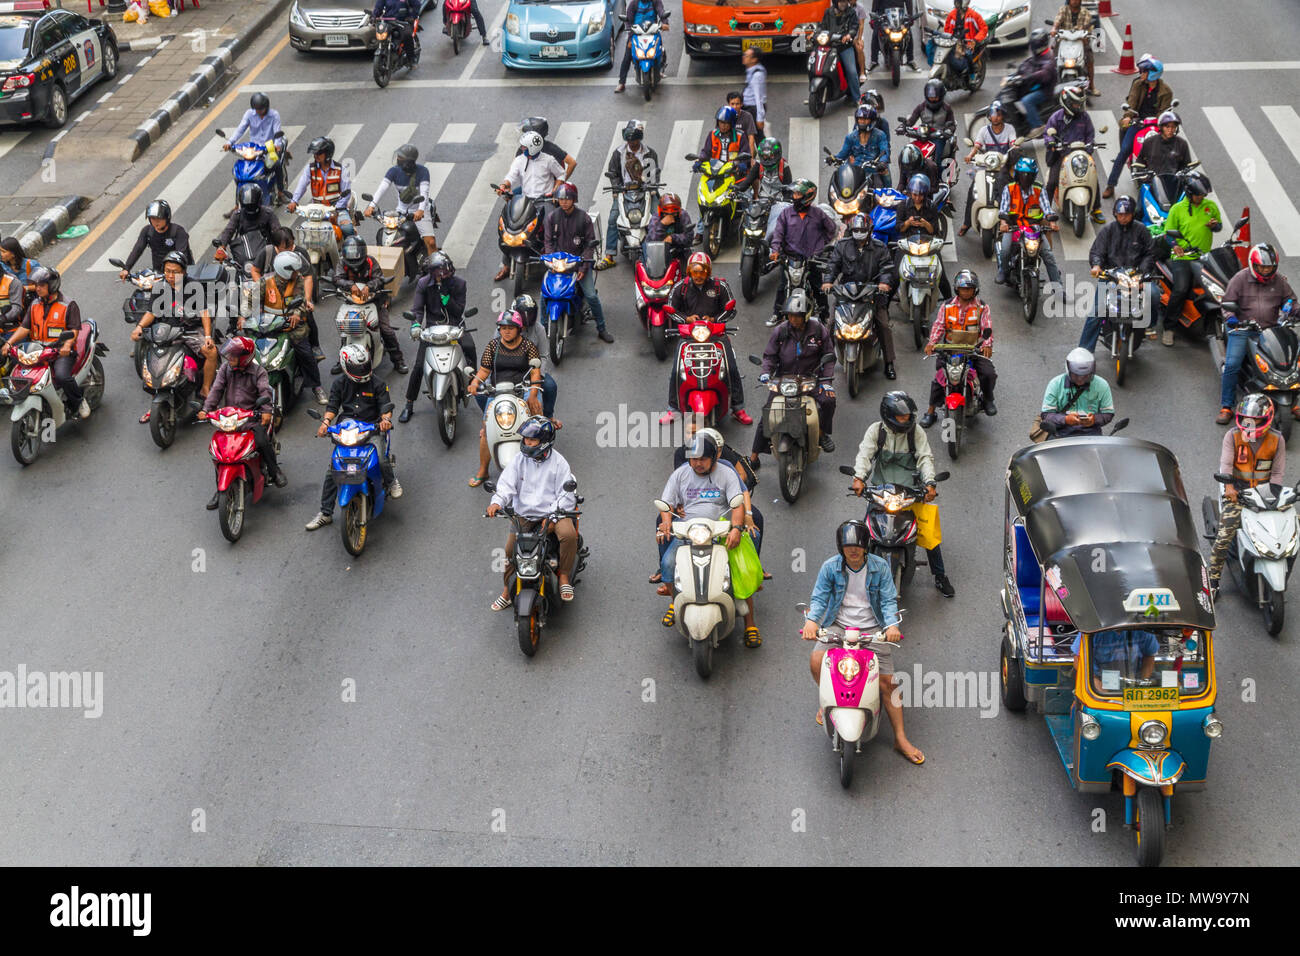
column 1032, row 100
column 626, row 64
column 1125, row 148
column 329, row 490
column 611, row 231
column 848, row 59
column 1234, row 355
column 588, row 285
column 1093, row 325
column 1044, row 252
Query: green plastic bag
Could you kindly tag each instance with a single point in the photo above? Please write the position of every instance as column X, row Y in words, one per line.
column 746, row 569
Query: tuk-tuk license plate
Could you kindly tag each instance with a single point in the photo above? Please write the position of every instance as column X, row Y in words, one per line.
column 554, row 52
column 757, row 43
column 336, row 39
column 1150, row 698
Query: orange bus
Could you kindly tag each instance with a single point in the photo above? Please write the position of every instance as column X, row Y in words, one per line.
column 726, row 27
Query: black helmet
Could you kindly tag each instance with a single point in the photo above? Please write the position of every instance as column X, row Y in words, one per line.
column 354, row 252
column 851, row 534
column 872, row 98
column 934, row 92
column 439, row 266
column 536, row 124
column 541, row 428
column 703, row 446
column 355, row 360
column 250, row 199
column 1039, row 40
column 909, row 157
column 1125, row 204
column 47, row 277
column 526, row 306
column 860, row 228
column 1073, row 100
column 322, row 144
column 864, row 117
column 259, row 101
column 633, row 132
column 769, row 152
column 894, row 405
column 967, row 279
column 406, row 156
column 803, row 194
column 177, row 257
column 1197, row 184
column 159, row 209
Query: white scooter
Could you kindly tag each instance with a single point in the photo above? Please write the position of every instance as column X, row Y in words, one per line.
column 446, row 375
column 358, row 323
column 37, row 404
column 506, row 414
column 1071, row 56
column 984, row 207
column 1078, row 185
column 318, row 236
column 704, row 608
column 1260, row 558
column 918, row 281
column 634, row 206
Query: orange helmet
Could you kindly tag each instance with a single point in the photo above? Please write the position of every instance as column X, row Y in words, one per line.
column 670, row 203
column 699, row 262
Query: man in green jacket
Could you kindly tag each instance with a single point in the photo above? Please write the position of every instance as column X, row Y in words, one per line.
column 1195, row 219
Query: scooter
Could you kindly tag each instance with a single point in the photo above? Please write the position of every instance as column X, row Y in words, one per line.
column 893, row 27
column 1024, row 265
column 656, row 274
column 716, row 198
column 970, row 79
column 399, row 229
column 1157, row 194
column 1013, row 87
column 357, row 319
column 962, row 396
column 275, row 353
column 826, row 79
column 886, row 203
column 754, row 260
column 703, row 380
column 850, row 182
column 506, row 413
column 1078, row 184
column 1125, row 316
column 318, row 234
column 1261, row 556
column 519, row 235
column 1272, row 366
column 457, row 22
column 563, row 308
column 892, row 525
column 984, row 207
column 634, row 207
column 926, row 139
column 240, row 469
column 793, row 424
column 30, row 388
column 445, row 376
column 648, row 54
column 857, row 346
column 536, row 580
column 389, row 57
column 919, row 272
column 258, row 163
column 137, row 304
column 171, row 374
column 1202, row 315
column 356, row 467
column 1071, row 55
column 704, row 609
column 799, row 275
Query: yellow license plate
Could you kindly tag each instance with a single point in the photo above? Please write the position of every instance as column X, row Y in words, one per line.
column 1150, row 698
column 757, row 43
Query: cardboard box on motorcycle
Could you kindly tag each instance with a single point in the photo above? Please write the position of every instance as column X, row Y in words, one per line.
column 393, row 262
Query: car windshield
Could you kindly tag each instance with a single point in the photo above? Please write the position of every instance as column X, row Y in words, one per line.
column 1173, row 659
column 13, row 38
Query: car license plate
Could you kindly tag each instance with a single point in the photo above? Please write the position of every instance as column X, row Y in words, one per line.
column 554, row 52
column 1150, row 698
column 757, row 43
column 336, row 39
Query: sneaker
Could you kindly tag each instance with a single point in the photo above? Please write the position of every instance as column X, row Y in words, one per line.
column 990, row 409
column 212, row 502
column 279, row 480
column 890, row 373
column 773, row 322
column 407, row 409
column 320, row 521
column 928, row 419
column 944, row 585
column 875, row 65
column 395, row 489
column 620, row 88
column 742, row 416
column 83, row 410
column 1224, row 417
column 486, row 41
column 911, row 65
column 605, row 336
column 319, row 394
column 336, row 369
column 1167, row 337
column 826, row 443
column 605, row 262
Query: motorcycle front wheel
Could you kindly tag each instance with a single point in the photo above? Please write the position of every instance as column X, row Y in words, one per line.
column 702, row 654
column 1029, row 295
column 447, row 418
column 555, row 335
column 383, row 68
column 521, row 276
column 659, row 341
column 817, row 102
column 847, row 752
column 1275, row 612
column 25, row 437
column 230, row 510
column 854, row 375
column 790, row 476
column 529, row 631
column 919, row 331
column 895, row 67
column 1120, row 347
column 162, row 425
column 956, row 426
column 353, row 526
column 749, row 276
column 713, row 236
column 986, row 243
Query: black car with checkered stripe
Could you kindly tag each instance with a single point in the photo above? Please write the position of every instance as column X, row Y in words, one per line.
column 48, row 58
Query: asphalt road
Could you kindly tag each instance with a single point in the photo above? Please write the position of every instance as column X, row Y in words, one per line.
column 223, row 686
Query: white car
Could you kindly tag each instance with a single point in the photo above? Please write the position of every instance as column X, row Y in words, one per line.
column 1009, row 20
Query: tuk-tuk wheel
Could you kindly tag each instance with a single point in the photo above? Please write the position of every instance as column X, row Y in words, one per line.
column 1150, row 829
column 1013, row 680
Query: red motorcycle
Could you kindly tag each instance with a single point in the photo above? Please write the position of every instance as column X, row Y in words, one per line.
column 656, row 275
column 702, row 372
column 239, row 466
column 457, row 22
column 926, row 139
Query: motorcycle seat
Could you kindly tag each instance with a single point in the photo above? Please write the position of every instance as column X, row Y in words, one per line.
column 82, row 347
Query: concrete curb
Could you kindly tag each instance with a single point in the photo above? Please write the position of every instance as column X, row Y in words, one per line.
column 144, row 43
column 212, row 69
column 50, row 223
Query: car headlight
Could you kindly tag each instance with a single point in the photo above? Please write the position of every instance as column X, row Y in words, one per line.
column 1088, row 727
column 297, row 17
column 512, row 24
column 596, row 23
column 701, row 28
column 699, row 535
column 1212, row 726
column 504, row 413
column 1153, row 733
column 1014, row 12
column 349, row 436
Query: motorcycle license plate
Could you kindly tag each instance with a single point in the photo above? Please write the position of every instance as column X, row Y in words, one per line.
column 554, row 52
column 1150, row 698
column 353, row 468
column 757, row 43
column 336, row 39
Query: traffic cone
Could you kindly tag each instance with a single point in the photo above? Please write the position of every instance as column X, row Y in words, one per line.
column 1126, row 65
column 1103, row 9
column 1243, row 251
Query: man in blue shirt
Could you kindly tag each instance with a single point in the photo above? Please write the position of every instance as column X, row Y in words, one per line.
column 263, row 125
column 1133, row 652
column 402, row 15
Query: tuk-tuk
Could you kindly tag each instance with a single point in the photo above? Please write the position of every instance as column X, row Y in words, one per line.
column 1109, row 620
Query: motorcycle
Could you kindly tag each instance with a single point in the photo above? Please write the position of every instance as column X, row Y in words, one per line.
column 893, row 27
column 826, row 79
column 506, row 412
column 1272, row 366
column 240, row 469
column 1078, row 184
column 962, row 395
column 716, row 198
column 705, row 610
column 799, row 275
column 656, row 274
column 635, row 206
column 1210, row 276
column 356, row 467
column 886, row 204
column 1024, row 265
column 857, row 346
column 357, row 319
column 318, row 235
column 1125, row 306
column 1009, row 93
column 389, row 59
column 1261, row 556
column 137, row 304
column 703, row 382
column 926, row 139
column 445, row 376
column 171, row 374
column 563, row 308
column 794, row 426
column 1071, row 56
column 648, row 54
column 258, row 162
column 892, row 525
column 1149, row 126
column 29, row 388
column 519, row 235
column 971, row 79
column 849, row 182
column 919, row 272
column 1157, row 194
column 275, row 353
column 399, row 229
column 984, row 208
column 754, row 260
column 457, row 23
column 536, row 580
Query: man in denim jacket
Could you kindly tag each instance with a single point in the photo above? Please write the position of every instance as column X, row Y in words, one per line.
column 855, row 589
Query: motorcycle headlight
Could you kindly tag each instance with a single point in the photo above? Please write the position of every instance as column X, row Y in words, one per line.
column 844, row 207
column 391, row 223
column 512, row 24
column 596, row 23
column 954, row 372
column 1069, row 64
column 228, row 423
column 145, row 376
column 789, row 388
column 849, row 668
column 1089, row 728
column 852, row 333
column 824, row 38
column 1211, row 286
column 512, row 238
column 349, row 437
column 700, row 333
column 699, row 535
column 1153, row 733
column 248, row 152
column 504, row 413
column 527, row 567
column 1079, row 164
column 634, row 216
column 895, row 35
column 1031, row 246
column 172, row 375
column 559, row 265
column 298, row 18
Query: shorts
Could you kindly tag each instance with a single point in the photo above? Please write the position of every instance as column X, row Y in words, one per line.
column 424, row 225
column 884, row 654
column 194, row 340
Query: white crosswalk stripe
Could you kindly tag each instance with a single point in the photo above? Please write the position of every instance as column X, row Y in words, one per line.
column 478, row 204
column 9, row 140
column 1256, row 172
column 457, row 133
column 677, row 177
column 380, row 158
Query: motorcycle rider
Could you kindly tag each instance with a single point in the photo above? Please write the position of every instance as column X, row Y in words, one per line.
column 263, row 126
column 861, row 257
column 1038, row 73
column 507, row 358
column 278, row 291
column 473, row 12
column 749, row 135
column 893, row 450
column 631, row 164
column 532, row 484
column 702, row 296
column 1253, row 453
column 1022, row 194
column 842, row 22
column 242, row 383
column 13, row 302
column 995, row 137
column 724, row 141
column 170, row 303
column 965, row 312
column 540, row 126
column 768, row 178
column 402, row 16
column 250, row 218
column 1148, row 96
column 1073, row 125
column 878, row 8
column 161, row 236
column 439, row 300
column 1078, row 401
column 854, row 589
column 865, row 145
column 360, row 275
column 1261, row 294
column 1122, row 244
column 1073, row 16
column 526, row 306
column 636, row 12
column 702, row 488
column 409, row 179
column 920, row 213
column 49, row 314
column 15, row 262
column 535, row 173
column 1196, row 218
column 737, row 460
column 330, row 183
column 912, row 162
column 799, row 346
column 805, row 230
column 569, row 229
column 971, row 30
column 1167, row 153
column 282, row 240
column 933, row 112
column 672, row 224
column 358, row 393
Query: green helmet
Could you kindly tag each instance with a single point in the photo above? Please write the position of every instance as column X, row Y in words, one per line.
column 803, row 194
column 769, row 152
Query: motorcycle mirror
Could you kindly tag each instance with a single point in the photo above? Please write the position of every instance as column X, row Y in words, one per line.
column 986, row 333
column 692, row 156
column 1223, row 479
column 1120, row 425
column 662, row 505
column 470, row 313
column 216, row 243
column 1173, row 103
column 535, row 363
column 801, row 608
column 1229, row 306
column 219, row 132
column 367, row 197
column 315, row 414
column 490, row 487
column 965, row 139
column 903, row 120
column 409, row 316
column 248, row 269
column 1235, row 226
column 571, row 485
column 846, row 470
column 942, row 476
column 755, row 360
column 1051, row 131
column 736, row 501
column 743, row 156
column 117, row 262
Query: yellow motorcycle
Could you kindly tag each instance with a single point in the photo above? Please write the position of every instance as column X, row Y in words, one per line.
column 716, row 197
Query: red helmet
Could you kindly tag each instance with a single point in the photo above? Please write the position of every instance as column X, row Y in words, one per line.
column 699, row 260
column 670, row 203
column 1263, row 262
column 566, row 191
column 238, row 351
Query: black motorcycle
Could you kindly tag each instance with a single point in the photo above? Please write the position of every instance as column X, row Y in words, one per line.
column 399, row 229
column 754, row 250
column 519, row 235
column 389, row 56
column 849, row 185
column 962, row 395
column 171, row 374
column 1272, row 366
column 892, row 524
column 857, row 343
column 1124, row 316
column 892, row 27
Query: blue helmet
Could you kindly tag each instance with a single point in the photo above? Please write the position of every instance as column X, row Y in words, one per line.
column 920, row 183
column 1153, row 68
column 1027, row 164
column 725, row 115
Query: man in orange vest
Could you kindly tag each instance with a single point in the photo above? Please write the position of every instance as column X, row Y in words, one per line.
column 47, row 318
column 1253, row 454
column 13, row 302
column 282, row 294
column 329, row 182
column 1025, row 203
column 964, row 319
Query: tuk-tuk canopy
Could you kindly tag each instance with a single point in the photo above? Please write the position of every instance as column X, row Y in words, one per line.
column 1109, row 523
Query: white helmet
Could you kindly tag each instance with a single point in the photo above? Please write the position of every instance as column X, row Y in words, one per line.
column 356, row 362
column 287, row 264
column 1080, row 364
column 531, row 142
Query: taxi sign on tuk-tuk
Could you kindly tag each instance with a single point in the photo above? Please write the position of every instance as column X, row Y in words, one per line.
column 1150, row 601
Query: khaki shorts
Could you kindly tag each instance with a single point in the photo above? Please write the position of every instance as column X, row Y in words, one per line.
column 884, row 653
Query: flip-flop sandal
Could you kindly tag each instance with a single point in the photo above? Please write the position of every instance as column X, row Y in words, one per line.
column 566, row 592
column 670, row 616
column 477, row 480
column 820, row 718
column 501, row 603
column 751, row 637
column 663, row 590
column 767, row 575
column 144, row 419
column 911, row 758
column 963, row 230
column 656, row 578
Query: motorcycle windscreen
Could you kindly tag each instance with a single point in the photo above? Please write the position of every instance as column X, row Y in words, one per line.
column 656, row 259
column 520, row 211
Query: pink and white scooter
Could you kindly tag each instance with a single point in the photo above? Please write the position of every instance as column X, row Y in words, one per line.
column 849, row 694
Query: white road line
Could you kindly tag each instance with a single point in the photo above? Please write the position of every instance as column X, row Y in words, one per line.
column 571, row 136
column 438, row 173
column 1256, row 172
column 457, row 133
column 9, row 140
column 1287, row 123
column 343, row 134
column 517, row 80
column 602, row 201
column 381, row 157
column 677, row 175
column 1116, row 41
column 476, row 208
column 1232, row 67
column 495, row 24
column 804, row 146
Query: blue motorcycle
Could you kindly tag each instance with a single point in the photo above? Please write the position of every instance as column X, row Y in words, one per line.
column 648, row 54
column 258, row 163
column 562, row 301
column 1158, row 193
column 355, row 465
column 884, row 214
